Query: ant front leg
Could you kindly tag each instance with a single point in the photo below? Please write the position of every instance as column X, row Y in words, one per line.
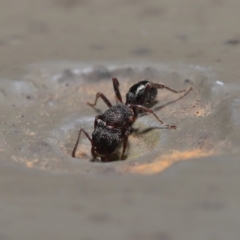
column 76, row 144
column 103, row 97
column 125, row 142
column 148, row 110
column 116, row 89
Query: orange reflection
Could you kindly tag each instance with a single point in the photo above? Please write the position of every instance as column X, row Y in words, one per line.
column 29, row 163
column 165, row 161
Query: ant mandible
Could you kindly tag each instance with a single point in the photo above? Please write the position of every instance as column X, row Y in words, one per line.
column 114, row 125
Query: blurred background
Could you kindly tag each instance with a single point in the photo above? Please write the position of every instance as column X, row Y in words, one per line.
column 191, row 31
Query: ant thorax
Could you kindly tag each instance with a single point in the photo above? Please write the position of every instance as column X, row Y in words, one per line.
column 117, row 115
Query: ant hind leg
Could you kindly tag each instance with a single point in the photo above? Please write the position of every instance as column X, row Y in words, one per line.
column 161, row 86
column 148, row 110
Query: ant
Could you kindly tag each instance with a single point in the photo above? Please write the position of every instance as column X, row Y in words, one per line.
column 113, row 126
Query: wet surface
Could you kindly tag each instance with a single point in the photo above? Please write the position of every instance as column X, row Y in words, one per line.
column 55, row 56
column 57, row 97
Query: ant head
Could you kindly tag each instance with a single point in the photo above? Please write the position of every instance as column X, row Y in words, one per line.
column 130, row 98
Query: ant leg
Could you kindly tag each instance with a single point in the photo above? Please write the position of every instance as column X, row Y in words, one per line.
column 147, row 110
column 102, row 96
column 150, row 85
column 125, row 141
column 161, row 86
column 76, row 144
column 116, row 89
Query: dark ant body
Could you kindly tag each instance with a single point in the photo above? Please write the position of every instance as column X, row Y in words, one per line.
column 113, row 126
